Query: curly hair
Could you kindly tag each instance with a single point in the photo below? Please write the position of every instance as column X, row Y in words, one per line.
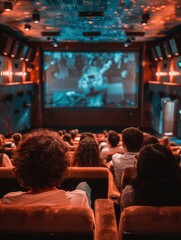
column 87, row 154
column 40, row 159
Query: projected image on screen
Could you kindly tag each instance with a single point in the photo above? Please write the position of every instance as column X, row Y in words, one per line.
column 91, row 80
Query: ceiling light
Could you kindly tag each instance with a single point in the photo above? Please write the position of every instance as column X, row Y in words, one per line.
column 36, row 17
column 127, row 43
column 8, row 6
column 27, row 27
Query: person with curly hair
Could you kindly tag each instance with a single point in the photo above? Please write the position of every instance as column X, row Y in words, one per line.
column 40, row 161
column 87, row 154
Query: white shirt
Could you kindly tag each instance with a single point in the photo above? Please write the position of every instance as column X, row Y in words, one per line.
column 120, row 162
column 111, row 150
column 76, row 198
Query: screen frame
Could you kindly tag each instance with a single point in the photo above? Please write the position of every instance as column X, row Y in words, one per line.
column 135, row 83
column 92, row 116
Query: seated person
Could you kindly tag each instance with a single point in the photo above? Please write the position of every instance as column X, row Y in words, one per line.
column 132, row 139
column 113, row 145
column 67, row 138
column 5, row 160
column 158, row 180
column 87, row 154
column 149, row 139
column 40, row 162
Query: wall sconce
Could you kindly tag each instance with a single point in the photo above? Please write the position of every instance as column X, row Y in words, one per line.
column 8, row 6
column 27, row 27
column 36, row 16
column 127, row 43
column 54, row 42
column 145, row 18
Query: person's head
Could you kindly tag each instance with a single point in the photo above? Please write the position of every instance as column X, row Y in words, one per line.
column 132, row 139
column 67, row 138
column 113, row 138
column 156, row 161
column 40, row 159
column 72, row 133
column 86, row 134
column 87, row 153
column 149, row 139
column 17, row 138
column 165, row 141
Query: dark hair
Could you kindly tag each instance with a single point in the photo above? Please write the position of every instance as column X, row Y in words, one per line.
column 17, row 138
column 40, row 159
column 113, row 138
column 72, row 133
column 67, row 138
column 86, row 134
column 132, row 138
column 149, row 140
column 158, row 179
column 87, row 154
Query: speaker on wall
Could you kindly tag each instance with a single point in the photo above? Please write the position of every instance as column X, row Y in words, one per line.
column 167, row 50
column 6, row 44
column 159, row 52
column 15, row 48
column 23, row 49
column 154, row 54
column 174, row 47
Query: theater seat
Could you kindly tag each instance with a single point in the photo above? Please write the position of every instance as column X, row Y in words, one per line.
column 58, row 223
column 96, row 177
column 127, row 177
column 150, row 223
column 8, row 181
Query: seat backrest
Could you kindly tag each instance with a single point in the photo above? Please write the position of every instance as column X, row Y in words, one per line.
column 96, row 177
column 127, row 176
column 150, row 223
column 8, row 181
column 46, row 222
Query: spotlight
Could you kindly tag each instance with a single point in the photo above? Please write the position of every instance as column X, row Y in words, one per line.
column 36, row 17
column 8, row 6
column 27, row 27
column 145, row 18
column 127, row 43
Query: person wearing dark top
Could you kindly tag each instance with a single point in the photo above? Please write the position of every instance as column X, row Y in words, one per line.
column 158, row 181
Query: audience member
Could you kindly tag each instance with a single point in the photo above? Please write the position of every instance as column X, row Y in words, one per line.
column 87, row 154
column 132, row 139
column 5, row 161
column 158, row 180
column 113, row 141
column 149, row 139
column 17, row 138
column 67, row 138
column 86, row 134
column 40, row 162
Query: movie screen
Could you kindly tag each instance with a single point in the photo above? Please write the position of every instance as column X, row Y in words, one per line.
column 91, row 80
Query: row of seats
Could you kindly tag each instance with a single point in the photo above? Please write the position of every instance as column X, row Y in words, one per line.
column 73, row 223
column 56, row 222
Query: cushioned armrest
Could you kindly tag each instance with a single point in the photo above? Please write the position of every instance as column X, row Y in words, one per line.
column 105, row 219
column 113, row 192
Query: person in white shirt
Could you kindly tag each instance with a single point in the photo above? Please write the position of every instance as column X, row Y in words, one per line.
column 132, row 139
column 40, row 161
